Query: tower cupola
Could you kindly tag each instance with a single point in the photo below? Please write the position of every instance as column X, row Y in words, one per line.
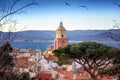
column 61, row 32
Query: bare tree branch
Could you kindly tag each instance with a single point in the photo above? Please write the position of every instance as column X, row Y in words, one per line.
column 16, row 11
column 7, row 20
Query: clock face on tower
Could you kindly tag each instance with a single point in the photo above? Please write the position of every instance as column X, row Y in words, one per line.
column 62, row 32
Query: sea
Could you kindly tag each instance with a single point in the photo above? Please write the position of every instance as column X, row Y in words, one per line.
column 43, row 45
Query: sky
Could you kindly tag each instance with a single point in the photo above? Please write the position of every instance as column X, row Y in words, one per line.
column 47, row 16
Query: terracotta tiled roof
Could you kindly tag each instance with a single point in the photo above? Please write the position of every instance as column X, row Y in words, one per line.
column 22, row 59
column 69, row 75
column 15, row 50
column 51, row 58
column 23, row 62
column 32, row 51
column 44, row 75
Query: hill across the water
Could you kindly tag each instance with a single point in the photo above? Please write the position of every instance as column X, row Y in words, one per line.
column 73, row 35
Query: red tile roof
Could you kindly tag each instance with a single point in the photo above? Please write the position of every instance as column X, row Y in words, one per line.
column 15, row 50
column 22, row 58
column 85, row 75
column 44, row 75
column 51, row 58
column 32, row 51
column 69, row 74
column 23, row 62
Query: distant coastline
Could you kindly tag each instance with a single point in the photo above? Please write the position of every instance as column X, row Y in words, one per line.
column 108, row 40
column 75, row 35
column 42, row 41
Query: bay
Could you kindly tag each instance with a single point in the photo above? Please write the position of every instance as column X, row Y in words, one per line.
column 44, row 45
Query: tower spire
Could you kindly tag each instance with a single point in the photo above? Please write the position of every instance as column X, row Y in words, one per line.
column 61, row 24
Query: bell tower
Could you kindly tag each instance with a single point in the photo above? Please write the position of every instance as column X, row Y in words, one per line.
column 61, row 39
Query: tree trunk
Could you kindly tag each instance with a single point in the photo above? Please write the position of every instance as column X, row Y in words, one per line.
column 93, row 76
column 118, row 76
column 91, row 73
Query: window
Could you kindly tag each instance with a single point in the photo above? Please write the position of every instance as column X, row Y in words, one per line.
column 62, row 35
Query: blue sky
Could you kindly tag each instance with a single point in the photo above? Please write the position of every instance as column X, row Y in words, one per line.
column 99, row 15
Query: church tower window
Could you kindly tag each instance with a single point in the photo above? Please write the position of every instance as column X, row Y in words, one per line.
column 62, row 36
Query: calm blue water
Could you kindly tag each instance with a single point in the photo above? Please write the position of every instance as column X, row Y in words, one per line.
column 43, row 45
column 32, row 45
